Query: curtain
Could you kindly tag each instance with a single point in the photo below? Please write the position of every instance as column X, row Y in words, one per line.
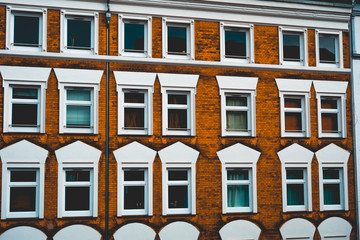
column 238, row 195
column 331, row 194
column 78, row 115
column 236, row 120
column 295, row 194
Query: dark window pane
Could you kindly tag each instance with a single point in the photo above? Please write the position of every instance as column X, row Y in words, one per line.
column 26, row 30
column 177, row 119
column 329, row 122
column 77, row 115
column 236, row 120
column 291, row 47
column 177, row 99
column 178, row 175
column 77, row 198
column 22, row 176
column 331, row 174
column 295, row 174
column 292, row 102
column 134, row 175
column 25, row 93
column 22, row 199
column 295, row 194
column 239, row 101
column 134, row 197
column 238, row 195
column 327, row 48
column 134, row 97
column 235, row 43
column 331, row 194
column 25, row 114
column 177, row 40
column 134, row 118
column 77, row 176
column 237, row 174
column 178, row 197
column 78, row 33
column 134, row 37
column 293, row 122
column 329, row 103
column 78, row 95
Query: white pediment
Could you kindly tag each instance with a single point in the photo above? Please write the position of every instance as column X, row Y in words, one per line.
column 293, row 85
column 332, row 154
column 240, row 83
column 335, row 228
column 135, row 78
column 23, row 152
column 295, row 154
column 31, row 74
column 134, row 153
column 178, row 80
column 297, row 228
column 84, row 76
column 77, row 231
column 23, row 232
column 179, row 231
column 78, row 152
column 178, row 153
column 330, row 87
column 135, row 231
column 238, row 153
column 240, row 229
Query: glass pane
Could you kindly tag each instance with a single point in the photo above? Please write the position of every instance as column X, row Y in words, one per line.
column 25, row 114
column 240, row 101
column 295, row 174
column 291, row 46
column 78, row 95
column 134, row 197
column 238, row 195
column 79, row 33
column 134, row 36
column 77, row 198
column 292, row 102
column 327, row 48
column 77, row 115
column 293, row 122
column 329, row 103
column 177, row 40
column 178, row 175
column 22, row 199
column 331, row 194
column 236, row 120
column 26, row 30
column 177, row 118
column 77, row 176
column 22, row 176
column 235, row 43
column 237, row 174
column 331, row 174
column 25, row 93
column 295, row 194
column 177, row 99
column 178, row 197
column 134, row 117
column 134, row 175
column 329, row 122
column 134, row 97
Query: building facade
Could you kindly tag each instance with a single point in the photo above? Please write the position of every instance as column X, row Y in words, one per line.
column 176, row 120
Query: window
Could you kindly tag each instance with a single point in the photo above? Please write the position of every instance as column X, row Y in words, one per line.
column 77, row 180
column 178, row 39
column 333, row 178
column 296, row 178
column 237, row 105
column 237, row 42
column 331, row 107
column 293, row 46
column 24, row 97
column 23, row 167
column 79, row 32
column 294, row 107
column 134, row 179
column 78, row 100
column 135, row 102
column 178, row 102
column 26, row 29
column 135, row 36
column 329, row 51
column 239, row 178
column 178, row 180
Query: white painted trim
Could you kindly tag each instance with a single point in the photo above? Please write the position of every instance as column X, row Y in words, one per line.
column 179, row 230
column 303, row 46
column 335, row 228
column 338, row 45
column 135, row 231
column 240, row 229
column 297, row 228
column 77, row 231
column 19, row 232
column 356, row 37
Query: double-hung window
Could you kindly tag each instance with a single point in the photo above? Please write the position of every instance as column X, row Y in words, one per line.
column 293, row 46
column 239, row 188
column 237, row 42
column 296, row 178
column 79, row 32
column 79, row 108
column 331, row 107
column 178, row 188
column 237, row 105
column 26, row 29
column 135, row 36
column 333, row 178
column 178, row 39
column 329, row 51
column 135, row 189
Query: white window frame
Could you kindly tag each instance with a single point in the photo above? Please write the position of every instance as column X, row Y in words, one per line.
column 78, row 155
column 141, row 82
column 178, row 84
column 239, row 86
column 190, row 38
column 332, row 89
column 181, row 157
column 135, row 156
column 78, row 79
column 147, row 20
column 23, row 155
column 338, row 48
column 303, row 46
column 34, row 77
column 233, row 158
column 250, row 51
column 11, row 11
column 298, row 158
column 294, row 88
column 94, row 17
